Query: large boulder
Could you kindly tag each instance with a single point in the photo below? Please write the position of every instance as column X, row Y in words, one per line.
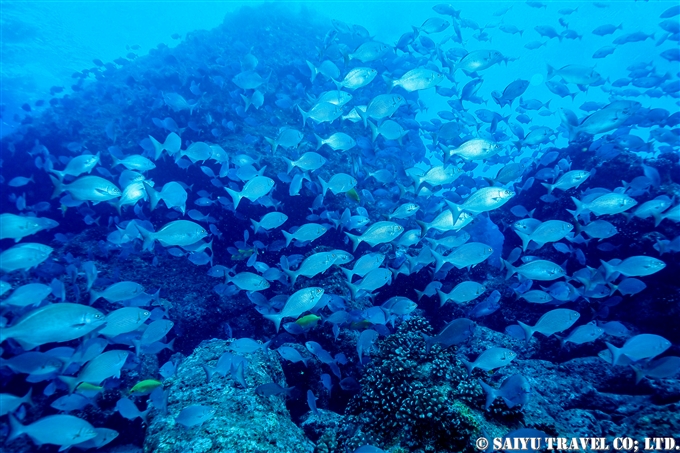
column 244, row 421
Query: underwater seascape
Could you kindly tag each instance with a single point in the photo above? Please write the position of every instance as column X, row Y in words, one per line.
column 339, row 227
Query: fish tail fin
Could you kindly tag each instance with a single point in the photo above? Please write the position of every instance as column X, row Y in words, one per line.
column 147, row 237
column 209, row 372
column 256, row 226
column 276, row 319
column 639, row 374
column 272, row 143
column 291, row 274
column 550, row 187
column 235, row 196
column 158, row 147
column 429, row 341
column 551, row 71
column 616, row 352
column 94, row 297
column 424, row 228
column 443, row 298
column 511, row 269
column 16, row 429
column 58, row 187
column 353, row 289
column 528, row 330
column 288, row 236
column 115, row 160
column 355, row 240
column 456, row 210
column 391, row 83
column 289, row 165
column 154, row 196
column 324, row 186
column 60, row 174
column 338, row 85
column 304, row 114
column 348, row 273
column 71, row 382
column 657, row 218
column 28, row 397
column 526, row 239
column 608, row 269
column 579, row 207
column 563, row 341
column 374, row 131
column 247, row 101
column 420, row 294
column 313, row 70
column 363, row 116
column 319, row 142
column 438, row 260
column 468, row 365
column 490, row 394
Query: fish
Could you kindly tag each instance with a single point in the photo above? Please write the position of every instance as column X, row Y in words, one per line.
column 364, row 265
column 269, row 221
column 87, row 188
column 462, row 293
column 180, row 233
column 53, row 323
column 638, row 347
column 17, row 227
column 62, row 430
column 467, row 255
column 272, row 389
column 583, row 334
column 490, row 359
column 543, row 270
column 661, row 368
column 339, row 141
column 323, row 112
column 124, row 320
column 634, row 266
column 102, row 367
column 381, row 106
column 476, row 149
column 247, row 281
column 514, row 391
column 552, row 322
column 287, row 138
column 356, row 78
column 10, row 403
column 373, row 280
column 369, row 51
column 27, row 295
column 298, row 303
column 118, row 292
column 75, row 167
column 253, row 190
column 308, row 232
column 313, row 265
column 416, row 80
column 456, row 332
column 549, row 231
column 378, row 233
column 483, row 200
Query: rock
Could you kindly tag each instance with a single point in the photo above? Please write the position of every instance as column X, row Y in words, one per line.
column 243, row 422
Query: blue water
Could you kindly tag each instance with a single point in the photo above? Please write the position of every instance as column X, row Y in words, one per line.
column 109, row 79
